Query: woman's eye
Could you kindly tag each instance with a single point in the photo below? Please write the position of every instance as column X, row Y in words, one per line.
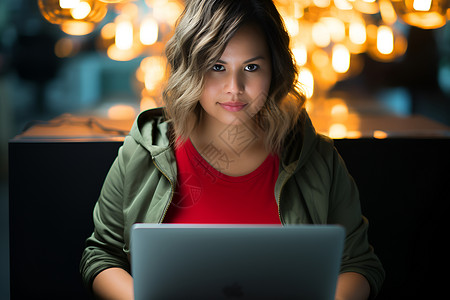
column 251, row 67
column 218, row 68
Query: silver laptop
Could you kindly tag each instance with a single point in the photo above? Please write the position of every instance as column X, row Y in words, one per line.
column 172, row 261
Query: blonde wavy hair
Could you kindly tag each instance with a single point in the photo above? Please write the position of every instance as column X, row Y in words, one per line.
column 201, row 35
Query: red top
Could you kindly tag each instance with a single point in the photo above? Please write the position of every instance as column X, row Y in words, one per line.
column 206, row 196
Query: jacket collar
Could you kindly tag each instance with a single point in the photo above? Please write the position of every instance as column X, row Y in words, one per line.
column 299, row 144
column 152, row 131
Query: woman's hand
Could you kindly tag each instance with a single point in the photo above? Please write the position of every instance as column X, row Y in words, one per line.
column 352, row 286
column 113, row 284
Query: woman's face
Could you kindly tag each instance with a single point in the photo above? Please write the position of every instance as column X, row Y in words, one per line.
column 237, row 86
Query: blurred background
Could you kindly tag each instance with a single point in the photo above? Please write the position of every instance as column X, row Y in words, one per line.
column 369, row 68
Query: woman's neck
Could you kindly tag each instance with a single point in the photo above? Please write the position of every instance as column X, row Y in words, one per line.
column 238, row 136
column 239, row 147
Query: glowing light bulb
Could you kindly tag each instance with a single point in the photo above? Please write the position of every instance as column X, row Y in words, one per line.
column 339, row 110
column 124, row 35
column 80, row 11
column 357, row 33
column 166, row 11
column 306, row 82
column 298, row 10
column 340, row 59
column 77, row 28
column 154, row 68
column 149, row 31
column 67, row 4
column 122, row 55
column 379, row 134
column 356, row 134
column 300, row 54
column 322, row 3
column 337, row 131
column 369, row 7
column 422, row 5
column 387, row 12
column 343, row 4
column 385, row 40
column 321, row 35
column 292, row 26
column 335, row 27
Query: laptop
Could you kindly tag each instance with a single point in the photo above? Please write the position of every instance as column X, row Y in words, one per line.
column 173, row 261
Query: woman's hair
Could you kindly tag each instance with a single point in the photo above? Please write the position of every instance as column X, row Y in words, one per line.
column 201, row 36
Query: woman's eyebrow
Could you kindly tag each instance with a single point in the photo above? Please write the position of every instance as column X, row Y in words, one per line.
column 253, row 59
column 245, row 62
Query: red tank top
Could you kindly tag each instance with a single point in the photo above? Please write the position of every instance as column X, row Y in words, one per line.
column 204, row 195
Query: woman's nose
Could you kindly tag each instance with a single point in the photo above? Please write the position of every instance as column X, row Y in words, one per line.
column 234, row 84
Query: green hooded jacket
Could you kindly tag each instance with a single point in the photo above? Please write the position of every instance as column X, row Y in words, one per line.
column 313, row 186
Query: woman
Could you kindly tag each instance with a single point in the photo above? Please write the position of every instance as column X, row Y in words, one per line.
column 232, row 145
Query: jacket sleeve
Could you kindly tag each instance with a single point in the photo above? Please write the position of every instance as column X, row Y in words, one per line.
column 104, row 248
column 344, row 209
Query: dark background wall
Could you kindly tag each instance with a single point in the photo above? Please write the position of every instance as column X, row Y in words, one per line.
column 402, row 183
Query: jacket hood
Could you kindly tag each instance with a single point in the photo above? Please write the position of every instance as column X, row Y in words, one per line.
column 153, row 132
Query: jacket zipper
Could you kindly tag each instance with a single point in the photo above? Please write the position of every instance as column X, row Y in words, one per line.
column 279, row 201
column 171, row 193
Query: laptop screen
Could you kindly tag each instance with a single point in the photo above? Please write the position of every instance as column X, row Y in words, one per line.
column 173, row 261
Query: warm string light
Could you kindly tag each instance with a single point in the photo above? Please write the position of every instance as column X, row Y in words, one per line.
column 148, row 32
column 387, row 12
column 340, row 58
column 385, row 40
column 124, row 34
column 357, row 33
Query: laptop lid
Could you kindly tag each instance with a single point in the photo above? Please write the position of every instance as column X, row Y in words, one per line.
column 173, row 261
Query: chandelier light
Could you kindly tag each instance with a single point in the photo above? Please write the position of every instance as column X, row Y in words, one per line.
column 426, row 14
column 75, row 17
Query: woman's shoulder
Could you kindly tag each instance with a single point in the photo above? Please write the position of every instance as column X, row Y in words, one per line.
column 148, row 140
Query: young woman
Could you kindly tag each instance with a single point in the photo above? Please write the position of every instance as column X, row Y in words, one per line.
column 233, row 145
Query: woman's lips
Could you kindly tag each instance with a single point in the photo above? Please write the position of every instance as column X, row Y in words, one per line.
column 233, row 106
